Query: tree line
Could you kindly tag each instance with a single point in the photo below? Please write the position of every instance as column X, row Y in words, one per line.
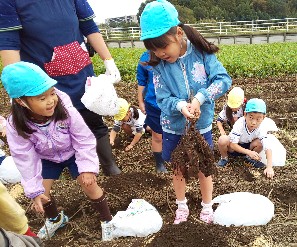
column 193, row 11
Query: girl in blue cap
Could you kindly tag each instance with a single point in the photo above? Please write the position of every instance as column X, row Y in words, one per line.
column 46, row 134
column 188, row 78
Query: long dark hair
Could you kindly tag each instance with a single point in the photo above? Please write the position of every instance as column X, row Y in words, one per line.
column 135, row 114
column 200, row 43
column 20, row 117
column 229, row 114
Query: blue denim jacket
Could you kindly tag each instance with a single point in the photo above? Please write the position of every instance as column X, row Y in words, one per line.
column 192, row 75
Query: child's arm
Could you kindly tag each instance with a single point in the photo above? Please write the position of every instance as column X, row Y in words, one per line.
column 140, row 99
column 221, row 128
column 112, row 137
column 269, row 170
column 134, row 141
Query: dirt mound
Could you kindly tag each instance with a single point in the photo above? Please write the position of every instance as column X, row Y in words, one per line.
column 139, row 180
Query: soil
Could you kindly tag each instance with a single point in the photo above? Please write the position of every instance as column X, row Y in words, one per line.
column 139, row 180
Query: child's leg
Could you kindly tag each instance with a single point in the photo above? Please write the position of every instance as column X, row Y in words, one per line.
column 256, row 145
column 206, row 187
column 50, row 208
column 223, row 143
column 98, row 199
column 12, row 216
column 157, row 151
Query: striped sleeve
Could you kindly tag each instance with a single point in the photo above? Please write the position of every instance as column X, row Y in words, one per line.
column 9, row 19
column 84, row 10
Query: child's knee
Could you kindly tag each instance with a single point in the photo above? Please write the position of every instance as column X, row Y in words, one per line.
column 224, row 140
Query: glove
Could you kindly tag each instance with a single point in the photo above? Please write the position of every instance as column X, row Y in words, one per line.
column 111, row 69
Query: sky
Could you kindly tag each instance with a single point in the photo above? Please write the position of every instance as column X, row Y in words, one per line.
column 114, row 8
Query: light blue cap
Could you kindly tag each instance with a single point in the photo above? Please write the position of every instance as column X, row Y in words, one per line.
column 25, row 79
column 157, row 18
column 256, row 105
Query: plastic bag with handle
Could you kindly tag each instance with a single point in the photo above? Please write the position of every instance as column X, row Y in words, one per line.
column 100, row 95
column 139, row 220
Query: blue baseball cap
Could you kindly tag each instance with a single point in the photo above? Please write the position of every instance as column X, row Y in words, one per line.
column 157, row 18
column 255, row 105
column 25, row 79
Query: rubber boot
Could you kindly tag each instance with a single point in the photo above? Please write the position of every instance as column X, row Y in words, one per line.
column 105, row 155
column 159, row 162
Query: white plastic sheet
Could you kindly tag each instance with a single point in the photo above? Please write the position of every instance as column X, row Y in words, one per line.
column 9, row 174
column 139, row 220
column 100, row 95
column 243, row 209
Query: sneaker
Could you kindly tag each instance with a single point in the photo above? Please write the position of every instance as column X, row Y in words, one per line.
column 161, row 168
column 207, row 217
column 181, row 215
column 50, row 227
column 254, row 163
column 222, row 162
column 107, row 229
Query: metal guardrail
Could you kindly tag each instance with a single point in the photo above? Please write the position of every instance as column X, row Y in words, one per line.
column 216, row 28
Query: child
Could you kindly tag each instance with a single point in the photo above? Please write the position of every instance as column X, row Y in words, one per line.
column 12, row 216
column 131, row 120
column 148, row 106
column 248, row 137
column 231, row 112
column 187, row 78
column 45, row 134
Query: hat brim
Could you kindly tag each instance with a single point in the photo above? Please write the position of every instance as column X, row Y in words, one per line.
column 41, row 88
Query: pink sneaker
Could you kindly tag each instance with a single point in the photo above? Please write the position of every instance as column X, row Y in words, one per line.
column 181, row 215
column 207, row 217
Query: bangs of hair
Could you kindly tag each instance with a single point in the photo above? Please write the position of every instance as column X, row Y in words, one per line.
column 161, row 41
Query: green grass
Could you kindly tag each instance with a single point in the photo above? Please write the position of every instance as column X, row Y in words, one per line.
column 256, row 60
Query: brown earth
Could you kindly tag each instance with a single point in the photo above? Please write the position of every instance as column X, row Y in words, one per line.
column 139, row 180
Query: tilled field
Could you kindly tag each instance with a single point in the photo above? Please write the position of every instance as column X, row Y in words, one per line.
column 139, row 180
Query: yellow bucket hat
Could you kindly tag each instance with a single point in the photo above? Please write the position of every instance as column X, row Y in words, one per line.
column 235, row 97
column 123, row 109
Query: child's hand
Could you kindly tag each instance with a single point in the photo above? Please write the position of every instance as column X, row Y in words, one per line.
column 186, row 111
column 129, row 147
column 142, row 107
column 38, row 202
column 254, row 155
column 112, row 143
column 4, row 132
column 269, row 172
column 195, row 108
column 88, row 178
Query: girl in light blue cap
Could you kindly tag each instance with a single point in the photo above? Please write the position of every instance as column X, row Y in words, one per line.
column 188, row 78
column 46, row 134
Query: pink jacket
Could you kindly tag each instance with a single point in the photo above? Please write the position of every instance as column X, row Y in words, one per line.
column 58, row 143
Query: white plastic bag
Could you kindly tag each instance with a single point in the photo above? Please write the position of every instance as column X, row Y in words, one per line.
column 278, row 152
column 243, row 209
column 139, row 220
column 9, row 172
column 100, row 95
column 269, row 125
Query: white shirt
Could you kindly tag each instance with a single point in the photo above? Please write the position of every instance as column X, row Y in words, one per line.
column 223, row 117
column 240, row 133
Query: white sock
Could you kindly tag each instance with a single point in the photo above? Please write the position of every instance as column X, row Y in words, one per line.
column 206, row 207
column 182, row 204
column 224, row 158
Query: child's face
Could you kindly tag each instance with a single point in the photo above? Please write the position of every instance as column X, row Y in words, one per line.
column 126, row 118
column 173, row 50
column 44, row 104
column 253, row 119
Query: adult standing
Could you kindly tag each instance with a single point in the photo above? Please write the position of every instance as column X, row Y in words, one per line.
column 51, row 35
